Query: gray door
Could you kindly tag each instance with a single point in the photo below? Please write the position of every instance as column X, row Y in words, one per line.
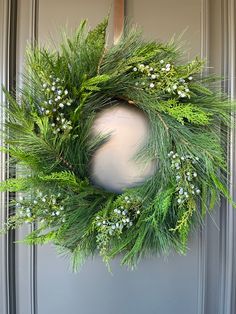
column 203, row 281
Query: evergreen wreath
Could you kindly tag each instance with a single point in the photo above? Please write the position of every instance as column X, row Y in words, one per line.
column 48, row 134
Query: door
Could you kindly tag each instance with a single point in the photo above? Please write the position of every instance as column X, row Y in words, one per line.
column 203, row 281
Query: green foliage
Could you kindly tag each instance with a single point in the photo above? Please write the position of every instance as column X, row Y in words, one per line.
column 48, row 131
column 186, row 112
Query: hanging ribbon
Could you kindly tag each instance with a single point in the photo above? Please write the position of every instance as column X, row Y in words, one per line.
column 119, row 12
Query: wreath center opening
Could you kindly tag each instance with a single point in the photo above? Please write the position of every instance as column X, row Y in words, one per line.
column 114, row 166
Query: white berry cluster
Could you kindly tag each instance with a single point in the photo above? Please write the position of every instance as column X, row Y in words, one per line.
column 56, row 100
column 44, row 208
column 123, row 216
column 186, row 176
column 164, row 78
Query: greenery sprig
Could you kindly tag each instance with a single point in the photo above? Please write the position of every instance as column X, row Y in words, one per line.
column 48, row 133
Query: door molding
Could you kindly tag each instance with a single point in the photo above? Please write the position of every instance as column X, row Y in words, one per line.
column 228, row 225
column 8, row 27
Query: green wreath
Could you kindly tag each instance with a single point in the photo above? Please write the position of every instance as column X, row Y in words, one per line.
column 49, row 136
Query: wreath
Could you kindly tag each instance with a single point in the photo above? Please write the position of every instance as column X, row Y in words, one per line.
column 48, row 136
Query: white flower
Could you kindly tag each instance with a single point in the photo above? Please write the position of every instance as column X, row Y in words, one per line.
column 198, row 191
column 167, row 69
column 182, row 94
column 135, row 69
column 61, row 105
column 151, row 85
column 186, row 90
column 168, row 65
column 163, row 69
column 141, row 65
column 136, row 83
column 57, row 80
column 190, row 78
column 151, row 69
column 57, row 213
column 138, row 212
column 58, row 130
column 161, row 61
column 53, row 125
column 174, row 86
column 195, row 174
column 181, row 191
column 44, row 85
column 35, row 202
column 50, row 101
column 179, row 200
column 59, row 92
column 153, row 76
column 54, row 109
column 47, row 111
column 66, row 92
column 44, row 199
column 53, row 88
column 68, row 104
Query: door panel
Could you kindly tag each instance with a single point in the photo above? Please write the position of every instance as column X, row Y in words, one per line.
column 157, row 286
